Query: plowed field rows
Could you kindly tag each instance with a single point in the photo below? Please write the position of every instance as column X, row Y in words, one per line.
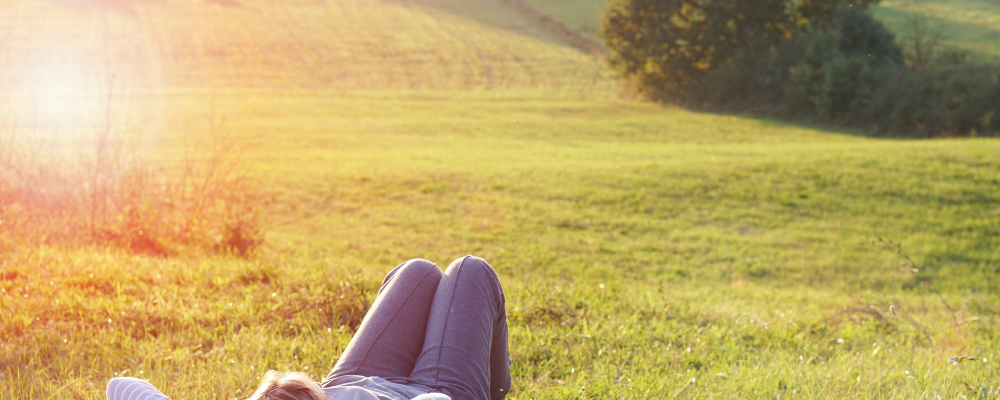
column 300, row 44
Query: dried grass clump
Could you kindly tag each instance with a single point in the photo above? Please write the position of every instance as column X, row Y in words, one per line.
column 109, row 193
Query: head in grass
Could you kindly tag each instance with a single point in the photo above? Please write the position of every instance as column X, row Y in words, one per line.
column 290, row 385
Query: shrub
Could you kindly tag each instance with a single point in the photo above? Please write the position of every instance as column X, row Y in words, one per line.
column 841, row 65
column 829, row 72
column 948, row 100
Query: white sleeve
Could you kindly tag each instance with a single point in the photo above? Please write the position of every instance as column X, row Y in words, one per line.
column 133, row 389
column 432, row 396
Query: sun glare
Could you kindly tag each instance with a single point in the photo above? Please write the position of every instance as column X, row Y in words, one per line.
column 60, row 93
column 55, row 94
column 69, row 73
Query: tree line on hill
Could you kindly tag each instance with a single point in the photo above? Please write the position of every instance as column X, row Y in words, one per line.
column 826, row 61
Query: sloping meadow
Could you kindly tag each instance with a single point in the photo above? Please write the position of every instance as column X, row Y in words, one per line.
column 646, row 251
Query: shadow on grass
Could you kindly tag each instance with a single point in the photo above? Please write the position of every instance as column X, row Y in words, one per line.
column 499, row 14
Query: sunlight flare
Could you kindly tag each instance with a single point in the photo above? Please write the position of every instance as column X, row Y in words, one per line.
column 71, row 75
column 62, row 94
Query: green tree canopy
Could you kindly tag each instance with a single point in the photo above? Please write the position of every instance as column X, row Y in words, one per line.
column 667, row 46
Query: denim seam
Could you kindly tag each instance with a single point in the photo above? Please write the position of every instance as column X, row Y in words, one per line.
column 451, row 300
column 382, row 330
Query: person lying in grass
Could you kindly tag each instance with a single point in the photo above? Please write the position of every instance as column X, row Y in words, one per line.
column 429, row 336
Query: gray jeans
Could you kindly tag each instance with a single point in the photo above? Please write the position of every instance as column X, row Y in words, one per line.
column 446, row 331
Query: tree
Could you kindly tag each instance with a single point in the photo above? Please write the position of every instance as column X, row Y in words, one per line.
column 666, row 47
column 816, row 14
column 841, row 64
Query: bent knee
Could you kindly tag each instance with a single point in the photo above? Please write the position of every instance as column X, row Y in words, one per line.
column 473, row 262
column 415, row 270
column 418, row 267
column 477, row 268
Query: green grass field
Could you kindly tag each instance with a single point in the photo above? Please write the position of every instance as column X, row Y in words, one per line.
column 646, row 251
column 972, row 26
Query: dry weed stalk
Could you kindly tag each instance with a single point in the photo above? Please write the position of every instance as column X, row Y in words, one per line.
column 100, row 188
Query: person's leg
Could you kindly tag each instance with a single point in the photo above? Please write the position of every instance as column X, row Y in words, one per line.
column 465, row 349
column 391, row 336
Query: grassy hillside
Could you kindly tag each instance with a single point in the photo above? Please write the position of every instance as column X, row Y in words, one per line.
column 967, row 25
column 355, row 44
column 647, row 252
column 581, row 15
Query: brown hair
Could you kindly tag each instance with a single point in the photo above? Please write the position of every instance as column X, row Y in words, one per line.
column 289, row 385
